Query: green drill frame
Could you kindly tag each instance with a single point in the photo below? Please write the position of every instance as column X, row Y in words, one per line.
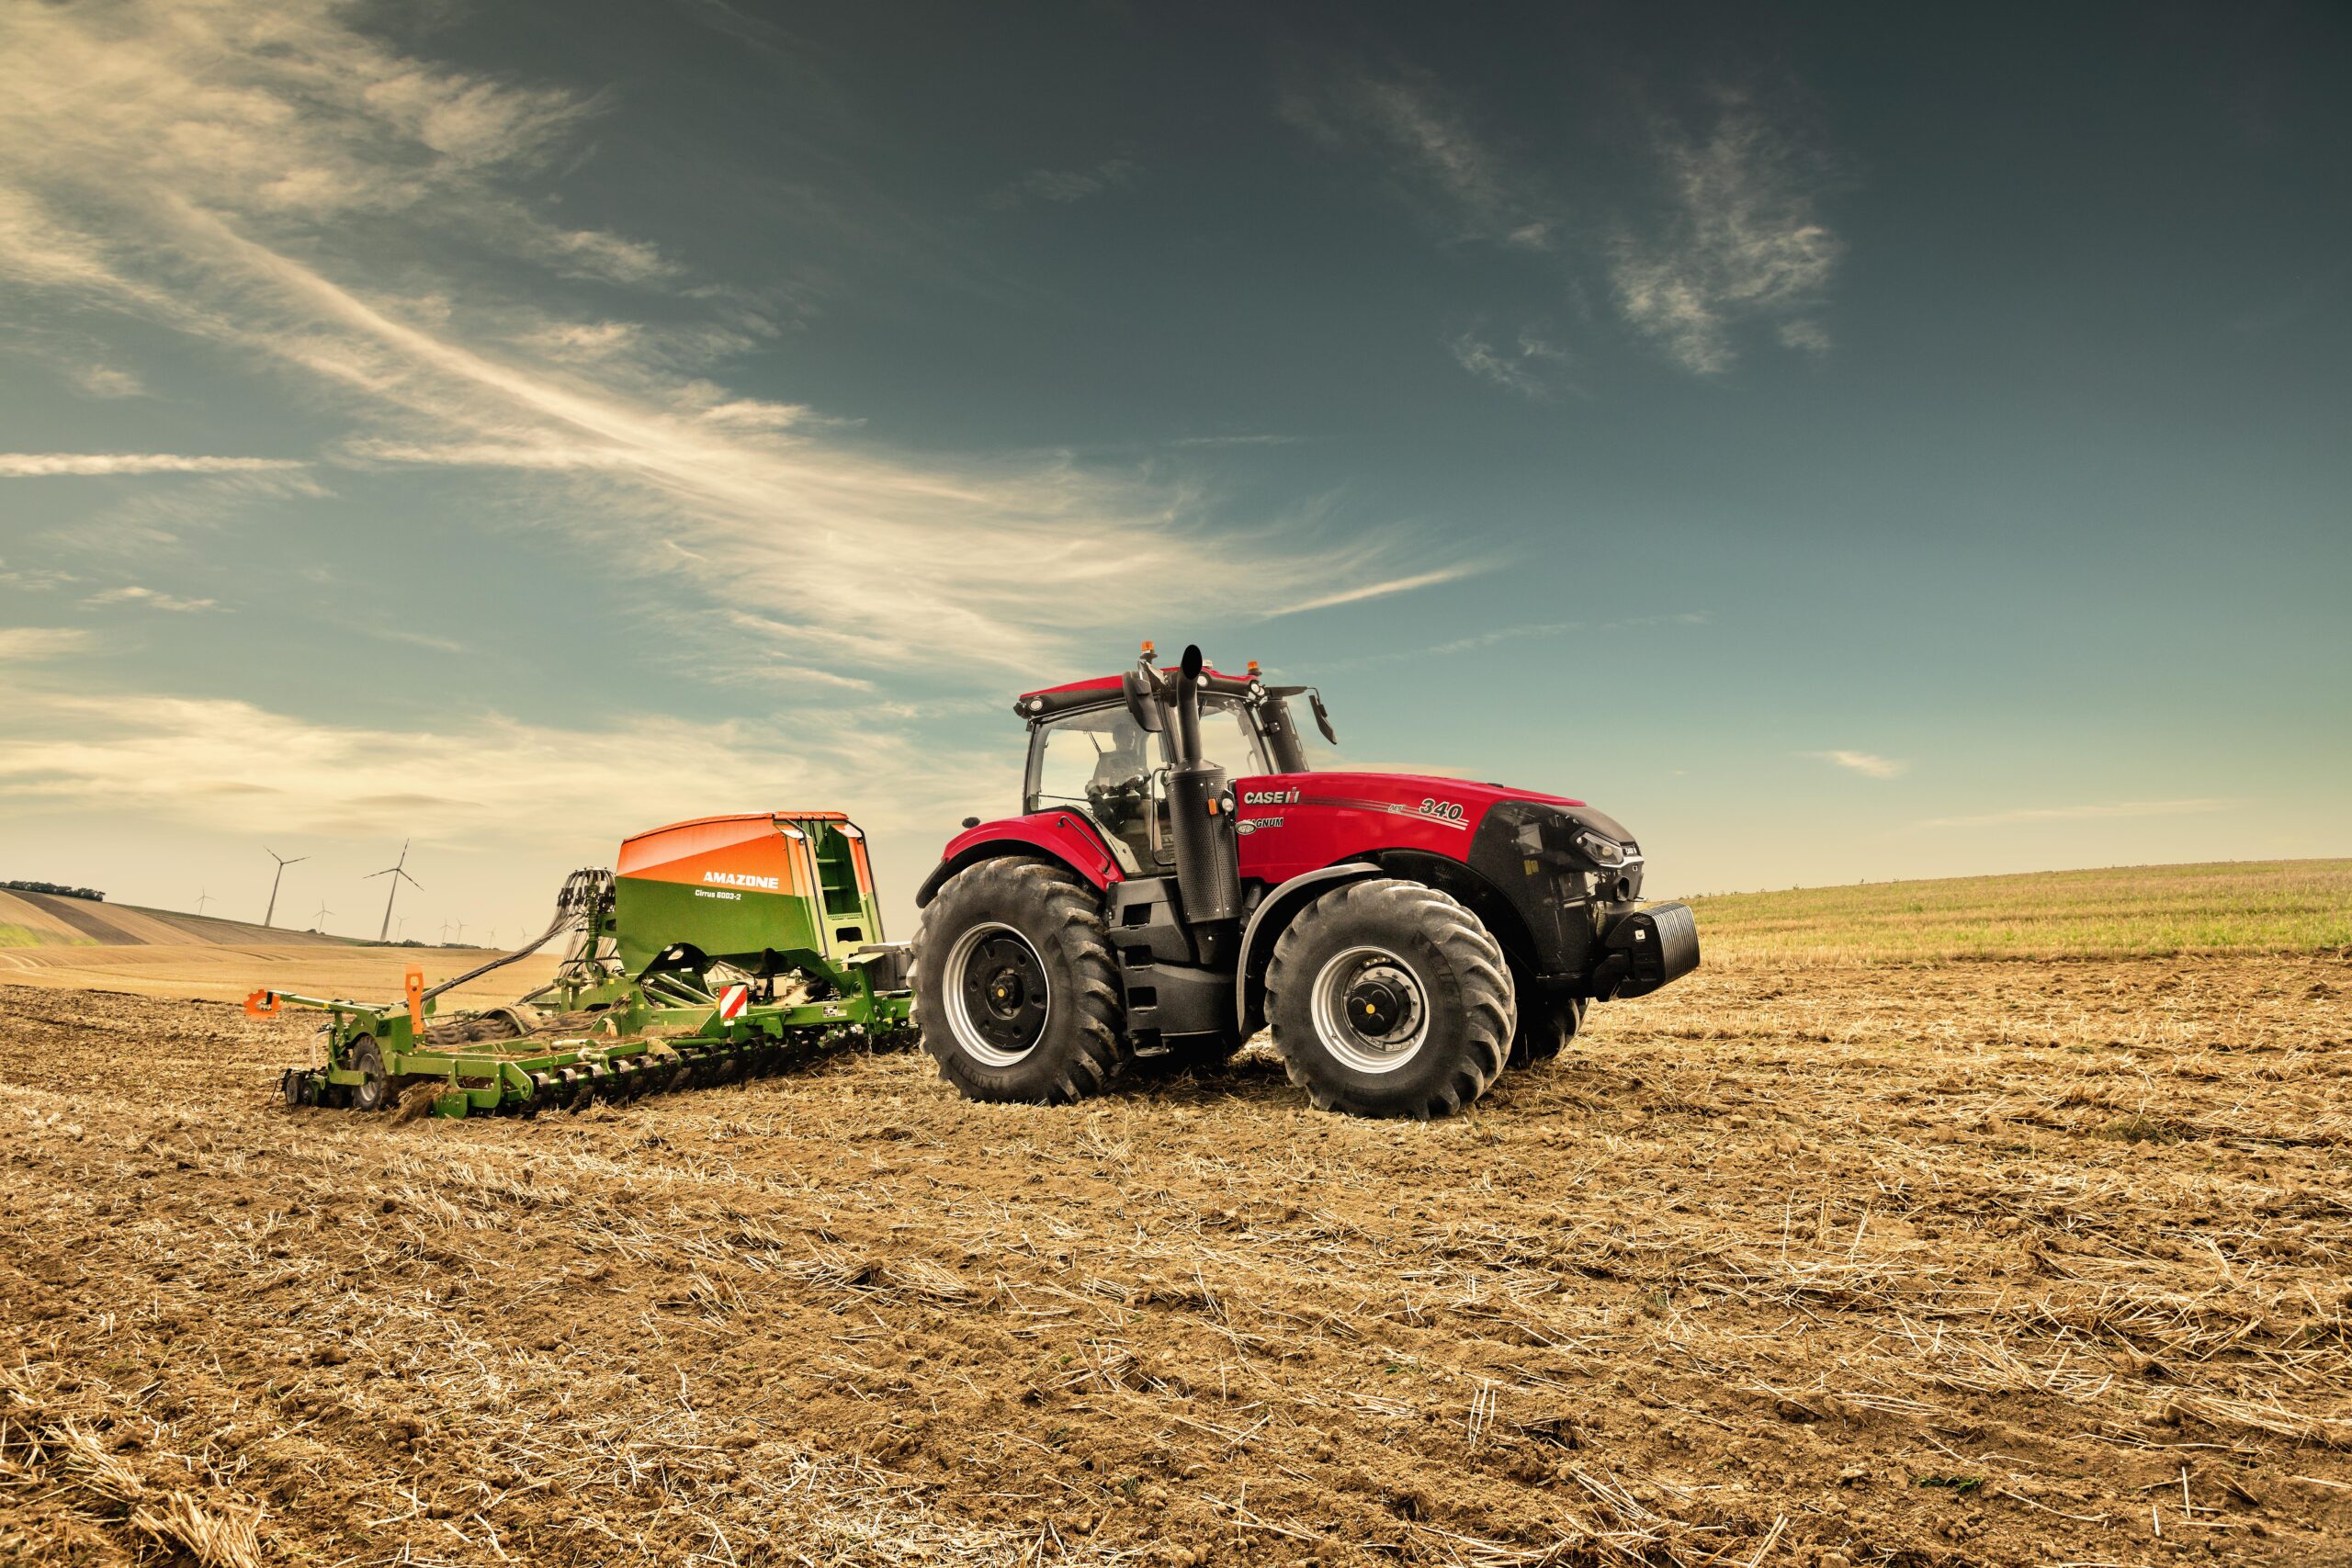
column 525, row 1077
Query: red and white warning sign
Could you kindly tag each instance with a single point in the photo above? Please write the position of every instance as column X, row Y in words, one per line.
column 732, row 1000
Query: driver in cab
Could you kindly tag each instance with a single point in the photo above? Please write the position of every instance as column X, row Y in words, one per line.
column 1120, row 791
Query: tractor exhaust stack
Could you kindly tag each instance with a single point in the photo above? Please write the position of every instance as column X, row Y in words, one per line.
column 1200, row 815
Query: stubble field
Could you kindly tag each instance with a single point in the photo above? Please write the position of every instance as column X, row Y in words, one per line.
column 1823, row 1256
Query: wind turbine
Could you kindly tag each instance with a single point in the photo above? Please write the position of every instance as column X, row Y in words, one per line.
column 402, row 934
column 444, row 933
column 283, row 861
column 398, row 871
column 201, row 900
column 318, row 920
column 461, row 933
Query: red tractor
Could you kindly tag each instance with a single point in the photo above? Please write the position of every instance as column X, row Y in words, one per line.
column 1178, row 878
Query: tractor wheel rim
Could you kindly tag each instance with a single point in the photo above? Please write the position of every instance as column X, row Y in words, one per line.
column 1370, row 1010
column 995, row 994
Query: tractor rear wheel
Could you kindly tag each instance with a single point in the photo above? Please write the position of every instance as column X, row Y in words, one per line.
column 1546, row 1027
column 1016, row 993
column 373, row 1091
column 1389, row 998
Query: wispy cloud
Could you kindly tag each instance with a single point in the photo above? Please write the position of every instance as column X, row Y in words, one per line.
column 159, row 515
column 24, row 644
column 201, row 492
column 36, row 465
column 105, row 381
column 592, row 253
column 2022, row 815
column 152, row 599
column 34, row 579
column 1379, row 589
column 1733, row 240
column 1500, row 634
column 1062, row 186
column 203, row 163
column 405, row 635
column 1741, row 240
column 480, row 780
column 552, row 456
column 1868, row 763
column 1431, row 155
column 1524, row 370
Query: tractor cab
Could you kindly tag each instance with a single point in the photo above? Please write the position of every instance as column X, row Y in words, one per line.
column 1091, row 751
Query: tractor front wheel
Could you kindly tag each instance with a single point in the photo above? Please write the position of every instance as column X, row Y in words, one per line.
column 1016, row 993
column 1389, row 998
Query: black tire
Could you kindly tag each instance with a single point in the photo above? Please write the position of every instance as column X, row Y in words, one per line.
column 1016, row 993
column 1430, row 976
column 1546, row 1027
column 373, row 1091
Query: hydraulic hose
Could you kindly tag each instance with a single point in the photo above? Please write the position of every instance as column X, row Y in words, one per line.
column 583, row 895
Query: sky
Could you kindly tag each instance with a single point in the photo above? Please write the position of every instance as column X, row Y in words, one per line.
column 1842, row 443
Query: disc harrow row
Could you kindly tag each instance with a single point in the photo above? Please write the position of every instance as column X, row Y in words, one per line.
column 572, row 1076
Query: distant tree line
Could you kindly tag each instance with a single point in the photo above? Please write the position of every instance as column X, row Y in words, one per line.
column 59, row 888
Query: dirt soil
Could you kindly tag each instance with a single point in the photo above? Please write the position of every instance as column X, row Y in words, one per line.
column 1963, row 1263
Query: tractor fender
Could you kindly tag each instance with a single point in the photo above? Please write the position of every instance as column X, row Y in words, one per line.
column 1276, row 911
column 1061, row 835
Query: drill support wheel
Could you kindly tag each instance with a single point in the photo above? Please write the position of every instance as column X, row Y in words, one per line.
column 373, row 1091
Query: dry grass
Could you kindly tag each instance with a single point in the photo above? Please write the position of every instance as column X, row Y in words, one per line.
column 2253, row 907
column 1982, row 1262
column 44, row 1447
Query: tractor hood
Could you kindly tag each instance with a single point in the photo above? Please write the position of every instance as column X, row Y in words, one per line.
column 1570, row 874
column 1486, row 794
column 1293, row 822
column 1416, row 794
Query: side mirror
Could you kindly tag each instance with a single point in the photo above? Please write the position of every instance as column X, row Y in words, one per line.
column 1322, row 716
column 1143, row 702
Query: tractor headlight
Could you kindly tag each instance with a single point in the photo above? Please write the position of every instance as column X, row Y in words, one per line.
column 1570, row 842
column 1604, row 851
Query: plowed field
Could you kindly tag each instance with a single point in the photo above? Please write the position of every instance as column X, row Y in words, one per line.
column 1817, row 1263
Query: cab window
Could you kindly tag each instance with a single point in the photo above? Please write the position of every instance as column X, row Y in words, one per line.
column 1229, row 738
column 1099, row 761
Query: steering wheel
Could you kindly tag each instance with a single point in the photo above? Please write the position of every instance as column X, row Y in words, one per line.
column 1117, row 798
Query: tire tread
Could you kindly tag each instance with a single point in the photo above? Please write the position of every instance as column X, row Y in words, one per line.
column 1074, row 923
column 1490, row 999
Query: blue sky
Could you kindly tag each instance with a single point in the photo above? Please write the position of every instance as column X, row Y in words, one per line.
column 1854, row 444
